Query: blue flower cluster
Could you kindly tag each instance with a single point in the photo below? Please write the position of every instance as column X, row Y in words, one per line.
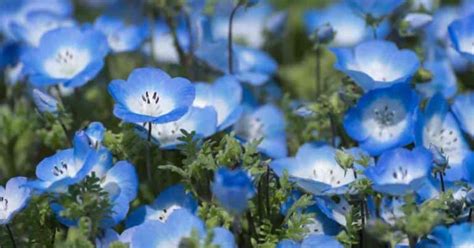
column 205, row 115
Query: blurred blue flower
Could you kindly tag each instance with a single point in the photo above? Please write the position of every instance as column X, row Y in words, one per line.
column 105, row 239
column 349, row 31
column 288, row 243
column 415, row 22
column 374, row 8
column 13, row 198
column 460, row 33
column 250, row 65
column 314, row 169
column 463, row 110
column 436, row 129
column 232, row 189
column 383, row 119
column 335, row 208
column 95, row 132
column 163, row 47
column 268, row 123
column 400, row 171
column 313, row 240
column 225, row 96
column 71, row 56
column 324, row 33
column 45, row 102
column 223, row 238
column 457, row 235
column 376, row 64
column 169, row 200
column 443, row 79
column 151, row 95
column 123, row 35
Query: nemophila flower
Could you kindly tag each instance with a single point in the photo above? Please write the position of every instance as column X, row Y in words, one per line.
column 319, row 240
column 70, row 56
column 334, row 208
column 169, row 200
column 17, row 12
column 414, row 22
column 265, row 123
column 462, row 109
column 13, row 198
column 223, row 238
column 382, row 119
column 374, row 8
column 159, row 234
column 225, row 96
column 123, row 35
column 45, row 102
column 288, row 243
column 163, row 48
column 151, row 95
column 462, row 36
column 437, row 130
column 95, row 132
column 250, row 65
column 314, row 169
column 376, row 64
column 66, row 167
column 390, row 209
column 443, row 80
column 458, row 235
column 232, row 189
column 400, row 171
column 349, row 31
column 36, row 24
column 203, row 121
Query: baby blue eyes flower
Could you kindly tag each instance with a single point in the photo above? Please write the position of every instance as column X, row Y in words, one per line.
column 374, row 8
column 70, row 56
column 121, row 35
column 458, row 235
column 437, row 130
column 95, row 132
column 267, row 123
column 151, row 95
column 443, row 80
column 233, row 189
column 377, row 64
column 13, row 198
column 460, row 33
column 463, row 110
column 400, row 171
column 314, row 169
column 414, row 22
column 163, row 47
column 383, row 119
column 45, row 102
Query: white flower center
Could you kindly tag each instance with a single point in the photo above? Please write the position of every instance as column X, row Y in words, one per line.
column 162, row 215
column 443, row 140
column 250, row 128
column 67, row 63
column 385, row 119
column 149, row 103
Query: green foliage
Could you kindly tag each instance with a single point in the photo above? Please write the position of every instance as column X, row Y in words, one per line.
column 77, row 237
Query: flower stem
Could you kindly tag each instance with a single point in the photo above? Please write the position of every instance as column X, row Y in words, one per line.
column 63, row 126
column 318, row 71
column 229, row 38
column 442, row 181
column 148, row 155
column 469, row 217
column 10, row 233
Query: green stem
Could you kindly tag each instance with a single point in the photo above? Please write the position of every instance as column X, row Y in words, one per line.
column 318, row 71
column 10, row 233
column 148, row 155
column 229, row 38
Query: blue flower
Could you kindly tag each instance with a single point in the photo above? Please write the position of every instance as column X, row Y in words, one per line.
column 151, row 95
column 67, row 167
column 377, row 64
column 319, row 240
column 460, row 33
column 443, row 80
column 437, row 130
column 95, row 132
column 169, row 200
column 13, row 198
column 458, row 235
column 45, row 102
column 203, row 121
column 250, row 65
column 349, row 31
column 400, row 171
column 462, row 109
column 108, row 237
column 223, row 238
column 70, row 55
column 159, row 234
column 414, row 22
column 163, row 47
column 266, row 122
column 314, row 168
column 36, row 25
column 382, row 119
column 288, row 243
column 122, row 35
column 232, row 189
column 374, row 8
column 334, row 208
column 225, row 96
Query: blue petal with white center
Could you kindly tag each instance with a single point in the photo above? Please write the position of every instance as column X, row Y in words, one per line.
column 267, row 123
column 151, row 95
column 383, row 119
column 437, row 130
column 377, row 64
column 70, row 55
column 13, row 198
column 400, row 171
column 314, row 169
column 225, row 96
column 462, row 36
column 457, row 235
